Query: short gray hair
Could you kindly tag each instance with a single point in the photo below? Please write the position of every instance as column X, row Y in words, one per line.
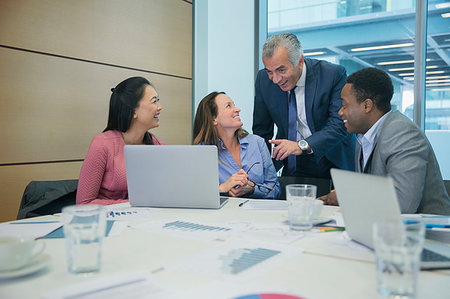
column 287, row 40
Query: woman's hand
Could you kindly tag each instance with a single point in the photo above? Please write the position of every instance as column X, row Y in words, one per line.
column 242, row 190
column 238, row 179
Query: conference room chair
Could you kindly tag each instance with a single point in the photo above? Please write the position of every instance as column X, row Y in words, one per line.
column 47, row 197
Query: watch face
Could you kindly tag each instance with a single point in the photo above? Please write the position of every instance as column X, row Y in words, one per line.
column 303, row 144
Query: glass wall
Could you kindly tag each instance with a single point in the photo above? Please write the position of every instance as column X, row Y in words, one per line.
column 378, row 33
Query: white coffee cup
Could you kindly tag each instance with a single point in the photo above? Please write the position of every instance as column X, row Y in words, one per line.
column 16, row 252
column 317, row 210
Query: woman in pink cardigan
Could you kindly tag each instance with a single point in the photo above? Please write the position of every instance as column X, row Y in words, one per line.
column 134, row 109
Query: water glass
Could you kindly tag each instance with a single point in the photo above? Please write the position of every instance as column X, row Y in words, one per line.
column 398, row 246
column 300, row 199
column 84, row 229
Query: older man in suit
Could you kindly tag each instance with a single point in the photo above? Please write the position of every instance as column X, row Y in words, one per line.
column 302, row 97
column 390, row 144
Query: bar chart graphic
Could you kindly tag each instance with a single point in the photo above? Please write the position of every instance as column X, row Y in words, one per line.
column 236, row 259
column 190, row 226
column 241, row 259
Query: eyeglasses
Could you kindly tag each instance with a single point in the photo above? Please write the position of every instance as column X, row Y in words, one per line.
column 261, row 188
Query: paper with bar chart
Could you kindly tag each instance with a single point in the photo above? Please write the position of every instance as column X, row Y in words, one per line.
column 236, row 259
column 187, row 229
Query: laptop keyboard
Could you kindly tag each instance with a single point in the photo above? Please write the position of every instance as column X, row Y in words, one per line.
column 431, row 256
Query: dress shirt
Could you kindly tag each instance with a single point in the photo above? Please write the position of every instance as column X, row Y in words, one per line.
column 253, row 149
column 303, row 130
column 367, row 140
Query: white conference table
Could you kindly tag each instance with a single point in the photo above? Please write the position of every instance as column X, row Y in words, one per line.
column 330, row 266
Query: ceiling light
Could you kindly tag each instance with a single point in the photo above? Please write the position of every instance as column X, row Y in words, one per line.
column 428, row 73
column 440, row 89
column 409, row 78
column 398, row 62
column 314, row 53
column 442, row 5
column 446, row 15
column 411, row 68
column 438, row 77
column 438, row 84
column 395, row 62
column 438, row 81
column 382, row 47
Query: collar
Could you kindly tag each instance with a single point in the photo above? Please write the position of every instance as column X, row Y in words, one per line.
column 302, row 80
column 242, row 141
column 371, row 134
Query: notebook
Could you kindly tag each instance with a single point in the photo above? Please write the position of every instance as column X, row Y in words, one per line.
column 366, row 198
column 173, row 176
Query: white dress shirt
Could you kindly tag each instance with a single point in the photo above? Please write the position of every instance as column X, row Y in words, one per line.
column 303, row 130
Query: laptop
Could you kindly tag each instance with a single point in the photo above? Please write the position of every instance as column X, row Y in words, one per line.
column 365, row 199
column 173, row 176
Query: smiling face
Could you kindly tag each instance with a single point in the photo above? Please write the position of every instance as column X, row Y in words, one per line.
column 353, row 113
column 227, row 114
column 281, row 71
column 148, row 110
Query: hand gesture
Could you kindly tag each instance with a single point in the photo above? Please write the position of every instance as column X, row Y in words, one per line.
column 283, row 148
column 236, row 180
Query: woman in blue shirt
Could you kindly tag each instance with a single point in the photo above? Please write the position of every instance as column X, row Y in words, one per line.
column 245, row 165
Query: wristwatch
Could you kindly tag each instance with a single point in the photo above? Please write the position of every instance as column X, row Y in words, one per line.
column 303, row 145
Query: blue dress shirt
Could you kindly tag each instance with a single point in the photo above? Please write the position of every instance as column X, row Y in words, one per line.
column 367, row 140
column 253, row 150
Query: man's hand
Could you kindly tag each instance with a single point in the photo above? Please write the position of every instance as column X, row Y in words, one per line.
column 283, row 148
column 330, row 199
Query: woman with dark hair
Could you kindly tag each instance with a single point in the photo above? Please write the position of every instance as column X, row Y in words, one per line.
column 134, row 109
column 245, row 165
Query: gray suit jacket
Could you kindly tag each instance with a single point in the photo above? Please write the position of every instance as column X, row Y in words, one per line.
column 403, row 152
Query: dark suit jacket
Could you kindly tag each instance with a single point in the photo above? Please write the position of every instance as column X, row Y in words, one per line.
column 329, row 139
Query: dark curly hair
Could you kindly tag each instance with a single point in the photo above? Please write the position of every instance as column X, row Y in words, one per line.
column 375, row 84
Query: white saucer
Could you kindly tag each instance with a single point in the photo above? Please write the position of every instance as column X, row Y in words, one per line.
column 321, row 220
column 36, row 264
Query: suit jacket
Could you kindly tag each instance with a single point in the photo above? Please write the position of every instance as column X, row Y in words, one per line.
column 402, row 151
column 329, row 139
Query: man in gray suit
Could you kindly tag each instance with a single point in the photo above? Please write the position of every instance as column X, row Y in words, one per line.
column 390, row 144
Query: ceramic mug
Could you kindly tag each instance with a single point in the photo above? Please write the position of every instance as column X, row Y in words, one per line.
column 16, row 252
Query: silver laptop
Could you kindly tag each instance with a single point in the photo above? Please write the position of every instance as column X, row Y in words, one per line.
column 365, row 199
column 173, row 176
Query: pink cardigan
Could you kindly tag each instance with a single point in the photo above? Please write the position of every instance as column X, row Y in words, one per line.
column 103, row 178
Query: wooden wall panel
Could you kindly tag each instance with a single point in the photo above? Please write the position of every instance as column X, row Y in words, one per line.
column 14, row 179
column 52, row 107
column 58, row 61
column 153, row 35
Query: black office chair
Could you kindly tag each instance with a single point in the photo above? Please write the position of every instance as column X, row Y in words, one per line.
column 323, row 185
column 47, row 197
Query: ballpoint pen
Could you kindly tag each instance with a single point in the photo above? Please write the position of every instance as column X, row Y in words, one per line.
column 244, row 202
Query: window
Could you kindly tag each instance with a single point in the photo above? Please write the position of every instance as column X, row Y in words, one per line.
column 378, row 33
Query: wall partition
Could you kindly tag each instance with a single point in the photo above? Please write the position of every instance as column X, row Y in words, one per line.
column 59, row 60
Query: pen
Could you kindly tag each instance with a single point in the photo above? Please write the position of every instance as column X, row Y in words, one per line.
column 244, row 202
column 330, row 229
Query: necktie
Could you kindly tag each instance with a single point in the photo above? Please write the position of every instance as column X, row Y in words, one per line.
column 292, row 130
